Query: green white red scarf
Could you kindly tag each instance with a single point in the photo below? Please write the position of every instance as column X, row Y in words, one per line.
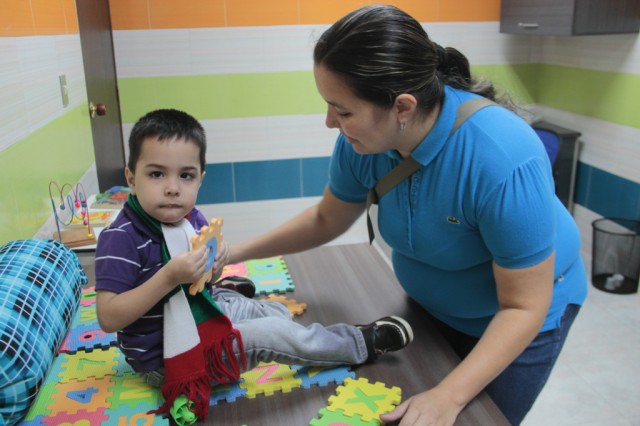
column 196, row 334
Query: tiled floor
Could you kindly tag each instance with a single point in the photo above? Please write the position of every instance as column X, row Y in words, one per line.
column 596, row 380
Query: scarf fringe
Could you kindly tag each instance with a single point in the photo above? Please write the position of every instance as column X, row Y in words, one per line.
column 196, row 390
column 217, row 369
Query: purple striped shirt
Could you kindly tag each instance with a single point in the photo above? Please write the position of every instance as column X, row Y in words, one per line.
column 128, row 254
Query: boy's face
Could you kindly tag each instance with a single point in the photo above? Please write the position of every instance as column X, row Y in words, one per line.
column 167, row 178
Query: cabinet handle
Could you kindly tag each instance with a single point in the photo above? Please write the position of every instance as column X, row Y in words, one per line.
column 528, row 25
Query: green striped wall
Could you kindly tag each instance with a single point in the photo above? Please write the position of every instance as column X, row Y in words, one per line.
column 607, row 96
column 263, row 94
column 222, row 95
column 62, row 151
column 603, row 95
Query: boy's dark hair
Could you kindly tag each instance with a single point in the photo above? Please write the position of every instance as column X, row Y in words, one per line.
column 166, row 124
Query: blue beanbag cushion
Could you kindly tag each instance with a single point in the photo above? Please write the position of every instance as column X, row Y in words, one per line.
column 40, row 288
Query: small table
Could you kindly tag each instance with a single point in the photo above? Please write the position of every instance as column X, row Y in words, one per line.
column 354, row 284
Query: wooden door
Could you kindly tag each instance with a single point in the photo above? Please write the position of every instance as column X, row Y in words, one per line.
column 94, row 24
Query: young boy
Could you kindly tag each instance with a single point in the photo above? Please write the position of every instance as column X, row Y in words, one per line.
column 140, row 269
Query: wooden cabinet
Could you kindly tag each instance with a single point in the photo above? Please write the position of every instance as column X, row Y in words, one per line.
column 569, row 17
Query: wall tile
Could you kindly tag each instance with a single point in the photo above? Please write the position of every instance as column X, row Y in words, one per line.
column 49, row 17
column 315, row 175
column 186, row 14
column 267, row 180
column 327, row 11
column 422, row 11
column 217, row 186
column 70, row 16
column 129, row 15
column 607, row 194
column 16, row 18
column 262, row 12
column 468, row 10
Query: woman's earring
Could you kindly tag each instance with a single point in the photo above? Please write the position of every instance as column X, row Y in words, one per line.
column 402, row 126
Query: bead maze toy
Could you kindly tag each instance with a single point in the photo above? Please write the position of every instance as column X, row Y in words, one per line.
column 69, row 204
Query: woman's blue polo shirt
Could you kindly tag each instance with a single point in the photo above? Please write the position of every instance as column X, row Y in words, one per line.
column 484, row 194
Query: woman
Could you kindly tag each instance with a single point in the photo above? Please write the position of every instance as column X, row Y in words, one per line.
column 479, row 238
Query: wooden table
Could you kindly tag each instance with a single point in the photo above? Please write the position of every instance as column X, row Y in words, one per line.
column 353, row 284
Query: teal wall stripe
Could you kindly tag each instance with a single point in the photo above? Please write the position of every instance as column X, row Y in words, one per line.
column 607, row 194
column 264, row 180
column 597, row 190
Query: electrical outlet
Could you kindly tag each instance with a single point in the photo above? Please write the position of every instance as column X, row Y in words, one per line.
column 64, row 90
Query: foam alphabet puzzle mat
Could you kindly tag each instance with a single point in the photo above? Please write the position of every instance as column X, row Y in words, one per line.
column 90, row 383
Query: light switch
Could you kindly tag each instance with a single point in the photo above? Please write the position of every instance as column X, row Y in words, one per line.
column 64, row 90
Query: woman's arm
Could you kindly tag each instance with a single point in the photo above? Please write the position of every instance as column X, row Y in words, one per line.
column 313, row 227
column 524, row 296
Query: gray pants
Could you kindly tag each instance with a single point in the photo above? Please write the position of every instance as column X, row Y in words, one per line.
column 270, row 335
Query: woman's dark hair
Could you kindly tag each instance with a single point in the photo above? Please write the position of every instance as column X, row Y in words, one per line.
column 382, row 52
column 166, row 124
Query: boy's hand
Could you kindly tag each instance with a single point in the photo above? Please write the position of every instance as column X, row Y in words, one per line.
column 189, row 266
column 220, row 261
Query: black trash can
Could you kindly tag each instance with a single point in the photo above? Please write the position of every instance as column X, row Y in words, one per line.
column 615, row 265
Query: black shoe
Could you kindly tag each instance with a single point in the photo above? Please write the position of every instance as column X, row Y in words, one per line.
column 387, row 334
column 242, row 285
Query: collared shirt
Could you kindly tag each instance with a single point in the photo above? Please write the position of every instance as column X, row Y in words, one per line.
column 483, row 195
column 128, row 254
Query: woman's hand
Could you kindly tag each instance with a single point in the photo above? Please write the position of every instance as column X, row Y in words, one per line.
column 432, row 408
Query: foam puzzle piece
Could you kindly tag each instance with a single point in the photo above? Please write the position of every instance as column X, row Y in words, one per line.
column 74, row 396
column 238, row 269
column 229, row 392
column 85, row 365
column 272, row 283
column 268, row 378
column 79, row 418
column 369, row 400
column 322, row 376
column 136, row 416
column 130, row 390
column 121, row 366
column 210, row 236
column 35, row 421
column 87, row 338
column 338, row 418
column 88, row 297
column 295, row 307
column 45, row 398
column 269, row 265
column 86, row 315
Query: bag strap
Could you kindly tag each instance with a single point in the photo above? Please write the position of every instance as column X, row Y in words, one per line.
column 409, row 166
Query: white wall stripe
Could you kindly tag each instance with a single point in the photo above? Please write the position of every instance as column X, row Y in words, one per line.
column 182, row 52
column 153, row 53
column 614, row 53
column 246, row 220
column 605, row 145
column 265, row 138
column 29, row 83
column 481, row 42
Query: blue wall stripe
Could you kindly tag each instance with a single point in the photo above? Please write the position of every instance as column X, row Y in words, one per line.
column 607, row 194
column 597, row 190
column 264, row 180
column 315, row 175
